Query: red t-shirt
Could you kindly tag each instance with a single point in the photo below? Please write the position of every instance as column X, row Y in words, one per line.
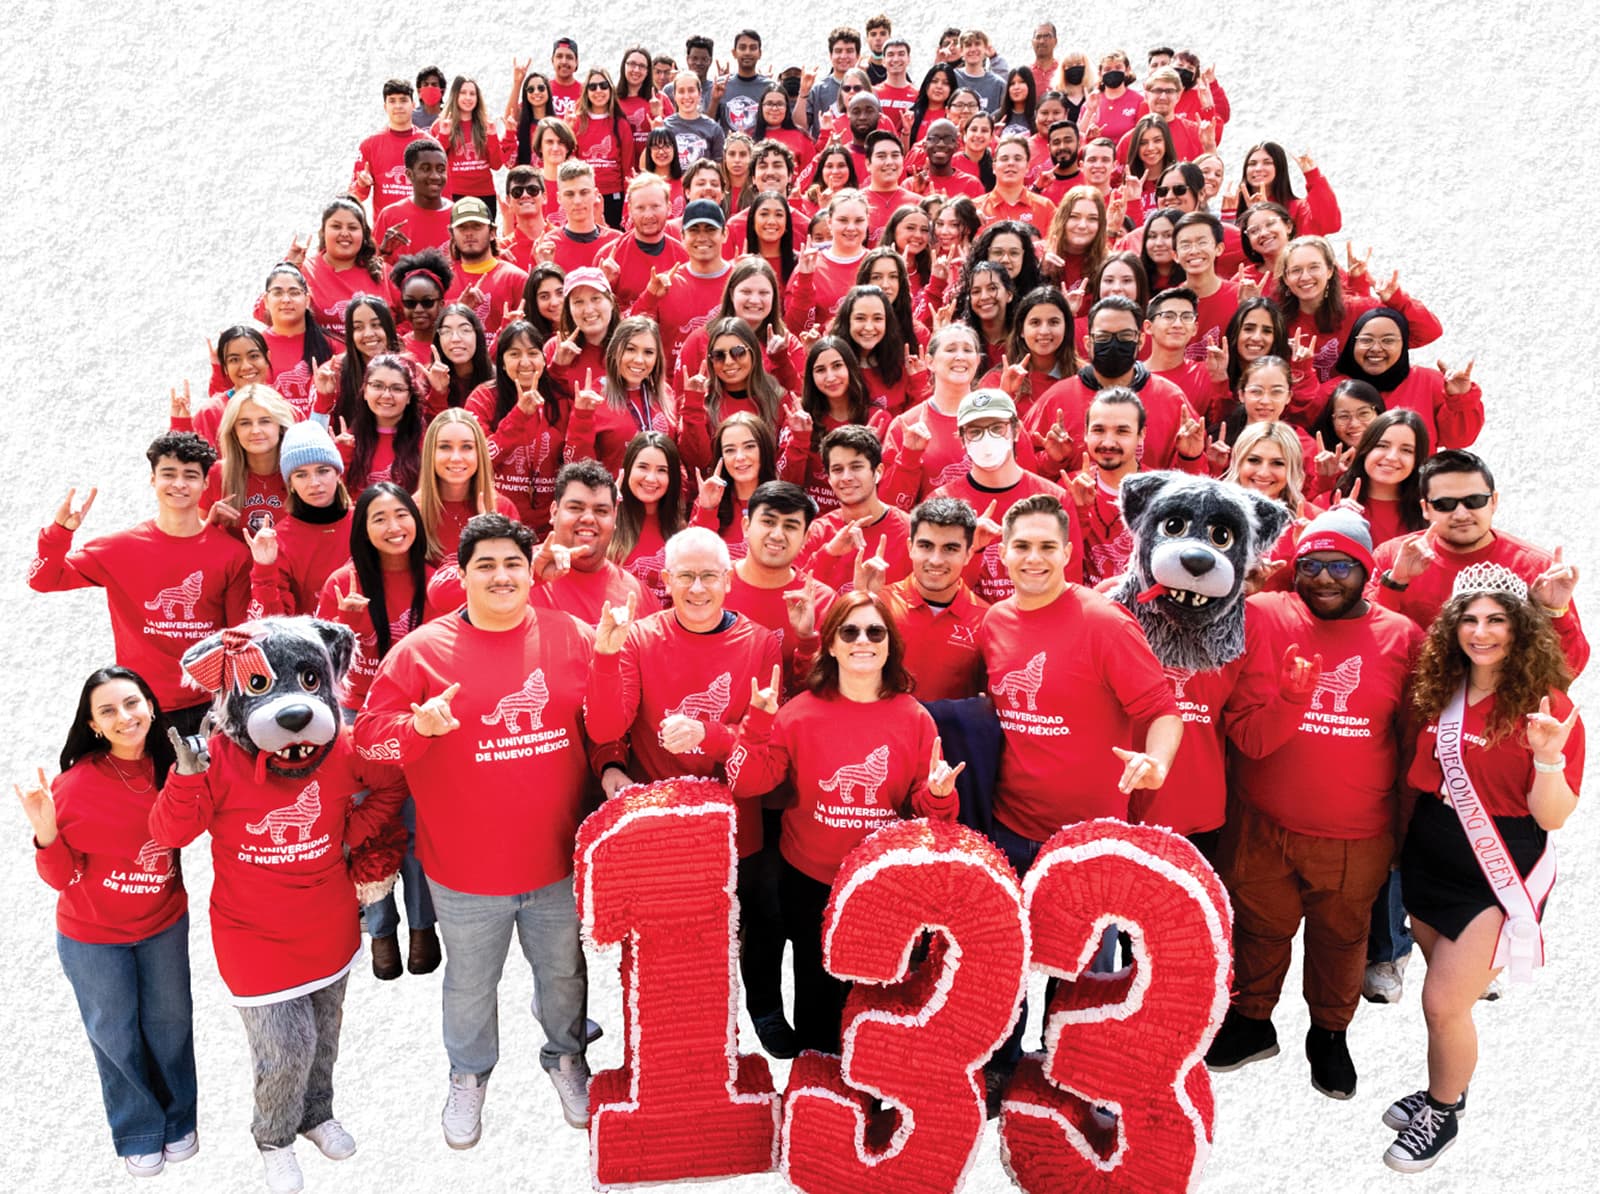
column 498, row 800
column 883, row 204
column 283, row 908
column 957, row 183
column 117, row 886
column 1054, row 188
column 663, row 670
column 165, row 594
column 856, row 768
column 635, row 265
column 1502, row 774
column 1346, row 742
column 941, row 642
column 838, row 572
column 1069, row 680
column 397, row 594
column 453, row 519
column 423, row 229
column 385, row 156
column 565, row 98
column 1213, row 313
column 987, row 572
column 1105, row 541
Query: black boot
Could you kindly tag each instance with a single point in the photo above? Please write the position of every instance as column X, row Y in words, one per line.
column 1240, row 1041
column 1332, row 1071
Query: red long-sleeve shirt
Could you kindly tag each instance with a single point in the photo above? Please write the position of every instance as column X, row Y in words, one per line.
column 526, row 450
column 663, row 670
column 691, row 301
column 570, row 252
column 986, row 573
column 291, row 376
column 308, row 553
column 1452, row 420
column 498, row 800
column 331, row 291
column 635, row 264
column 810, row 299
column 165, row 594
column 384, row 154
column 283, row 908
column 909, row 476
column 500, row 284
column 263, row 492
column 580, row 593
column 603, row 432
column 941, row 642
column 1424, row 324
column 471, row 172
column 766, row 608
column 1327, row 769
column 608, row 147
column 117, row 886
column 1069, row 681
column 856, row 768
column 397, row 594
column 1163, row 409
column 838, row 572
column 646, row 561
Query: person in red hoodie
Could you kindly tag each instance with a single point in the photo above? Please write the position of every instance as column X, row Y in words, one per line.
column 483, row 711
column 937, row 614
column 380, row 161
column 672, row 687
column 169, row 582
column 862, row 753
column 1314, row 830
column 276, row 787
column 122, row 916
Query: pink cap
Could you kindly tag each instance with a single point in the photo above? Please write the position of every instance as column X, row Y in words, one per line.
column 585, row 276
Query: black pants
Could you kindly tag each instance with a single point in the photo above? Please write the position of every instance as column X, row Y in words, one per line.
column 761, row 930
column 818, row 996
column 488, row 199
column 613, row 209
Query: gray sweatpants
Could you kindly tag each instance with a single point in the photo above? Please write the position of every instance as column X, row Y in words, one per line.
column 294, row 1045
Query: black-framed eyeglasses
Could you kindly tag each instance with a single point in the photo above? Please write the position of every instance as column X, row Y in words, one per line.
column 736, row 352
column 411, row 304
column 519, row 189
column 1178, row 191
column 875, row 633
column 1473, row 501
column 1338, row 569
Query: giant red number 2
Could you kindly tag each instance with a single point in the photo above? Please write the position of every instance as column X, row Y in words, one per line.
column 1132, row 1043
column 656, row 871
column 916, row 1033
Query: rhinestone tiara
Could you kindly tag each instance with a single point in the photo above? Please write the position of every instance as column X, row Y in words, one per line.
column 1489, row 578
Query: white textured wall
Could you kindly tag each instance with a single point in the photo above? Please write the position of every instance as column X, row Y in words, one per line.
column 168, row 151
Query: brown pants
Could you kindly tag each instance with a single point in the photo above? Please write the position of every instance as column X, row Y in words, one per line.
column 1277, row 878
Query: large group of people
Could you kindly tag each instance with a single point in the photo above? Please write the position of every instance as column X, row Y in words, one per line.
column 668, row 419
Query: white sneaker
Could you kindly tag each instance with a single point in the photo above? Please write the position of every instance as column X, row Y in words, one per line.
column 332, row 1140
column 1493, row 991
column 182, row 1148
column 1385, row 982
column 145, row 1164
column 283, row 1171
column 571, row 1080
column 462, row 1118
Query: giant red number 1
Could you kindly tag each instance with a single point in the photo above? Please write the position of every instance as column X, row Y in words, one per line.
column 916, row 1032
column 1132, row 1043
column 656, row 871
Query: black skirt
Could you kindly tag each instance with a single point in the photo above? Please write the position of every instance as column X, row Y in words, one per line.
column 1440, row 879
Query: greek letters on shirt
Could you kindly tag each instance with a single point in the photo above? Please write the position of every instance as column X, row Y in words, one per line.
column 523, row 707
column 1330, row 700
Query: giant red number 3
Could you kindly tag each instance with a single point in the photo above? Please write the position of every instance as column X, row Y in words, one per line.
column 915, row 1032
column 1129, row 1044
column 656, row 871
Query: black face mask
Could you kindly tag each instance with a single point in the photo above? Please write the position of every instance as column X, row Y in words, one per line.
column 791, row 85
column 1073, row 75
column 1114, row 78
column 1115, row 358
column 1186, row 77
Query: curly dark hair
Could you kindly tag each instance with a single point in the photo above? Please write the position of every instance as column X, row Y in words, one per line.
column 1534, row 664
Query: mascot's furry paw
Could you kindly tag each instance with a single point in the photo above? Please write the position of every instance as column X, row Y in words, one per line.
column 1194, row 540
column 375, row 862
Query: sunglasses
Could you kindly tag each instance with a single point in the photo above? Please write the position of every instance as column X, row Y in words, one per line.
column 850, row 632
column 1473, row 501
column 411, row 304
column 599, row 86
column 1338, row 569
column 519, row 189
column 722, row 355
column 1179, row 191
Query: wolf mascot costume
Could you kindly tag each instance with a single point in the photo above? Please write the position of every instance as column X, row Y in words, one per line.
column 276, row 786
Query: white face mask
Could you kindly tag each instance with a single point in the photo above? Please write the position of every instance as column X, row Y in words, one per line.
column 989, row 453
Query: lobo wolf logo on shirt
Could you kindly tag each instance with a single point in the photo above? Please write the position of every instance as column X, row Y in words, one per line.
column 299, row 816
column 866, row 776
column 180, row 596
column 708, row 705
column 525, row 704
column 1023, row 684
column 1340, row 682
column 530, row 699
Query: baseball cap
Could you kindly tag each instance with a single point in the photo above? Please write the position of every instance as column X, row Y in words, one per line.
column 985, row 404
column 469, row 211
column 704, row 211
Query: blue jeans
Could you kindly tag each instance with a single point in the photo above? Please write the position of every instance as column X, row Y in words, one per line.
column 136, row 1009
column 382, row 918
column 476, row 931
column 1390, row 938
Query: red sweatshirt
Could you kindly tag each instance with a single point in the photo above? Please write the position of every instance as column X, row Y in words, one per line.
column 646, row 561
column 498, row 800
column 1502, row 774
column 1425, row 596
column 471, row 172
column 801, row 465
column 987, row 572
column 635, row 264
column 117, row 886
column 1318, row 213
column 1194, row 798
column 1452, row 420
column 810, row 300
column 838, row 572
column 766, row 608
column 1327, row 769
column 608, row 147
column 604, row 432
column 291, row 376
column 283, row 908
column 786, row 366
column 941, row 642
column 397, row 593
column 580, row 593
column 691, row 301
column 384, row 154
column 910, row 476
column 308, row 553
column 165, row 594
column 453, row 519
column 1163, row 408
column 1425, row 326
column 501, row 284
column 663, row 670
column 591, row 360
column 332, row 289
column 1213, row 313
column 423, row 229
column 1068, row 680
column 1104, row 541
column 570, row 252
column 856, row 768
column 263, row 493
column 526, row 450
column 382, row 466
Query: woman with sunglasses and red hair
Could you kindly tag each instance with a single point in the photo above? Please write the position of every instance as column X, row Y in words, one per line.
column 862, row 752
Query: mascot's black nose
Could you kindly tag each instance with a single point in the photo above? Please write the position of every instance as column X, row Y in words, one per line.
column 294, row 717
column 1197, row 561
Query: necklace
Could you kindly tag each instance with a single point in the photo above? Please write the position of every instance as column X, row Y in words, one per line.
column 148, row 781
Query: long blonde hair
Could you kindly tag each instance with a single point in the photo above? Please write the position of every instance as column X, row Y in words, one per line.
column 235, row 464
column 1056, row 236
column 430, row 502
column 1288, row 443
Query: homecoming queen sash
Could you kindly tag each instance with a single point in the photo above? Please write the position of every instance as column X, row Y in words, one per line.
column 1521, row 944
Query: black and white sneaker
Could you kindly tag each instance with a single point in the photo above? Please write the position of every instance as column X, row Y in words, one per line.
column 1401, row 1111
column 1429, row 1133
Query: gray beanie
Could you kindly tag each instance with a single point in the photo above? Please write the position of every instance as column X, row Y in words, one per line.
column 307, row 443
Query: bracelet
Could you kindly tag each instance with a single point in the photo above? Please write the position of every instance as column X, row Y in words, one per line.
column 1559, row 613
column 1555, row 768
column 1181, row 456
column 1387, row 580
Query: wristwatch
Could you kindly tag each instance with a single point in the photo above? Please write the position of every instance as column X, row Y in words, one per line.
column 1387, row 580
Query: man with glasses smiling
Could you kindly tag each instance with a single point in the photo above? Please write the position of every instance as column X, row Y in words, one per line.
column 1414, row 573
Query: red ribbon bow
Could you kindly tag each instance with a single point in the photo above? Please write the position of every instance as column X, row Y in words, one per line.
column 232, row 661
